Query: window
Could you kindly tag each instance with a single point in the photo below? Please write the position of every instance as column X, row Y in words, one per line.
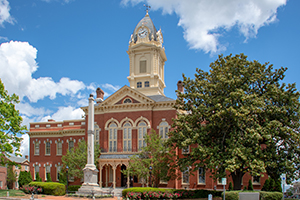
column 201, row 175
column 127, row 100
column 59, row 125
column 16, row 184
column 36, row 148
column 1, row 184
column 26, row 168
column 37, row 126
column 47, row 152
column 186, row 150
column 113, row 137
column 185, row 176
column 47, row 172
column 127, row 137
column 71, row 124
column 139, row 84
column 163, row 130
column 143, row 66
column 58, row 169
column 97, row 132
column 71, row 145
column 48, row 125
column 36, row 170
column 82, row 123
column 256, row 180
column 59, row 148
column 147, row 84
column 142, row 130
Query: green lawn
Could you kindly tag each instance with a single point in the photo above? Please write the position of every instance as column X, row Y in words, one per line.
column 3, row 193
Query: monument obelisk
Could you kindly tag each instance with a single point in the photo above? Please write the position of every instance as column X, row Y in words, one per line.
column 90, row 185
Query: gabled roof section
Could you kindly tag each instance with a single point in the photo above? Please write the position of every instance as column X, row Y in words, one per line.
column 160, row 98
column 18, row 160
column 124, row 92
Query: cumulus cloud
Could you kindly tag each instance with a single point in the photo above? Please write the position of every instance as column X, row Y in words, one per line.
column 4, row 13
column 24, row 149
column 18, row 62
column 65, row 113
column 204, row 20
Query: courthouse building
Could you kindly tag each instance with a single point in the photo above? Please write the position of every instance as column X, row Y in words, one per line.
column 121, row 121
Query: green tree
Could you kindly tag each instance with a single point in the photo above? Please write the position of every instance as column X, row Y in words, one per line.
column 230, row 187
column 37, row 177
column 24, row 178
column 10, row 125
column 239, row 117
column 48, row 178
column 11, row 177
column 155, row 154
column 266, row 186
column 76, row 160
column 250, row 185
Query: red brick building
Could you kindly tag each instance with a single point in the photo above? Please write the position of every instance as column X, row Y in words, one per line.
column 121, row 121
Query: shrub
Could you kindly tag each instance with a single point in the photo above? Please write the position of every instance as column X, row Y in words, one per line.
column 51, row 188
column 38, row 178
column 48, row 178
column 230, row 187
column 73, row 188
column 250, row 186
column 144, row 189
column 24, row 178
column 270, row 195
column 266, row 185
column 31, row 189
column 232, row 195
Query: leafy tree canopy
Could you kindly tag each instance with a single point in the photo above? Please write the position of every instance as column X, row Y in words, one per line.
column 10, row 125
column 155, row 154
column 76, row 160
column 239, row 117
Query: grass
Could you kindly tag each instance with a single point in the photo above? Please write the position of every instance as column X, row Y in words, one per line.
column 12, row 193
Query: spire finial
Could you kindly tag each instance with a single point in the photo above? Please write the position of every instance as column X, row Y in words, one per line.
column 147, row 9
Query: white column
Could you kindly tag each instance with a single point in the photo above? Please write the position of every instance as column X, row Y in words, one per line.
column 106, row 177
column 90, row 157
column 114, row 180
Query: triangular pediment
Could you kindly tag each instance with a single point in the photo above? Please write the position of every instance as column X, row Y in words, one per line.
column 126, row 95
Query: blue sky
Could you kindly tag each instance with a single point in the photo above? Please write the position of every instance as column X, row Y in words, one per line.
column 54, row 53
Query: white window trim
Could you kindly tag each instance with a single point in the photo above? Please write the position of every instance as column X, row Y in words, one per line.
column 256, row 183
column 34, row 146
column 183, row 183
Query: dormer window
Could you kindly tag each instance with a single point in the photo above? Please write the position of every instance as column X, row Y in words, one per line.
column 147, row 84
column 139, row 84
column 127, row 100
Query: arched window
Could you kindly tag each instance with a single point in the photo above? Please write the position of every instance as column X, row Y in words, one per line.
column 139, row 84
column 142, row 131
column 127, row 135
column 112, row 137
column 97, row 134
column 147, row 84
column 163, row 130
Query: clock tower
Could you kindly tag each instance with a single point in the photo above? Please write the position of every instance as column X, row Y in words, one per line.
column 147, row 58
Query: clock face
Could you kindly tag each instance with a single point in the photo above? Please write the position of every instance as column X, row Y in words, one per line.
column 143, row 32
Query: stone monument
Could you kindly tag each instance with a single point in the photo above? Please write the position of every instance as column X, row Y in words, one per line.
column 90, row 185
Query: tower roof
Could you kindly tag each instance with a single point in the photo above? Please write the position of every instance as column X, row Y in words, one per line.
column 146, row 21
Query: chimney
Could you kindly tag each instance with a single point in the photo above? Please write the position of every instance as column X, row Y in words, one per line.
column 26, row 157
column 180, row 87
column 51, row 120
column 100, row 95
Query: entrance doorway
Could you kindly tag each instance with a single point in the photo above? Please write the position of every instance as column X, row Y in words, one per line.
column 123, row 177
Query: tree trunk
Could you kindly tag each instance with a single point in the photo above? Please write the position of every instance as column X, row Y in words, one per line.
column 237, row 179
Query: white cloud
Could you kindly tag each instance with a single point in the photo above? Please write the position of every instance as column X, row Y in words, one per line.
column 24, row 149
column 65, row 113
column 27, row 110
column 4, row 13
column 202, row 20
column 18, row 63
column 110, row 87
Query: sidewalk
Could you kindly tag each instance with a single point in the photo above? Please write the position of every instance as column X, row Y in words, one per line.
column 49, row 197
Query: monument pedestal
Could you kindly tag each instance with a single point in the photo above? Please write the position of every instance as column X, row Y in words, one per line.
column 90, row 185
